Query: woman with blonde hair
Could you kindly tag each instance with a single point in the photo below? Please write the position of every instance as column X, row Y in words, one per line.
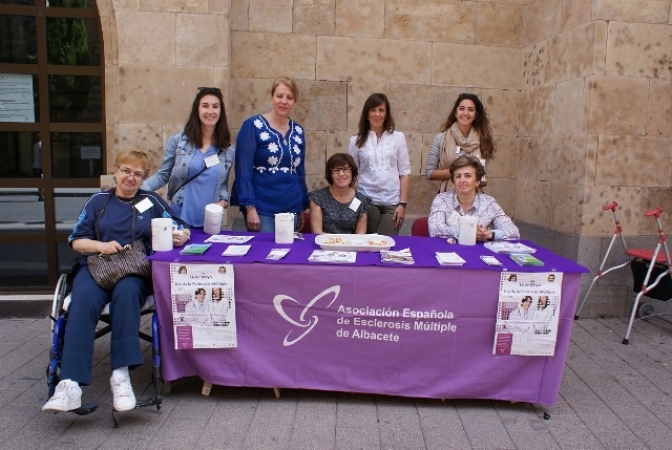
column 270, row 163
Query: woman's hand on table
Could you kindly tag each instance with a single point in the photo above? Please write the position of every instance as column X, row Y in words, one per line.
column 252, row 218
column 180, row 237
column 484, row 234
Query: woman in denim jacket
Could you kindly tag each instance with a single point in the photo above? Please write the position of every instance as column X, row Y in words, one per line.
column 197, row 162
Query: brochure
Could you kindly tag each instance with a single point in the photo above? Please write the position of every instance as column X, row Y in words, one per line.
column 523, row 259
column 236, row 250
column 333, row 256
column 397, row 257
column 449, row 259
column 508, row 247
column 228, row 239
column 194, row 249
column 277, row 253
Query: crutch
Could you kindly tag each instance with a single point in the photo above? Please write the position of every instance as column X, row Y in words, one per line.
column 662, row 242
column 618, row 234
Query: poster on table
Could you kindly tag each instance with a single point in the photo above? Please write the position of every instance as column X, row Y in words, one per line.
column 204, row 306
column 527, row 313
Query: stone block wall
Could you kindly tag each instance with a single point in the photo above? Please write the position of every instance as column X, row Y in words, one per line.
column 579, row 92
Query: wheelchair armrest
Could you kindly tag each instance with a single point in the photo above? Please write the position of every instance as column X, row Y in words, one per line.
column 71, row 267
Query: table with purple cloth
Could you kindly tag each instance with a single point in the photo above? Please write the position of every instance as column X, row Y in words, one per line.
column 421, row 330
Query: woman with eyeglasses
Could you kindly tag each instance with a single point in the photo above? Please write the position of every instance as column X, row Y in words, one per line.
column 338, row 208
column 381, row 155
column 466, row 131
column 270, row 163
column 197, row 161
column 110, row 220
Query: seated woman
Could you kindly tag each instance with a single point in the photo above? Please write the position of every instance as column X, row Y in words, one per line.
column 339, row 209
column 447, row 208
column 108, row 221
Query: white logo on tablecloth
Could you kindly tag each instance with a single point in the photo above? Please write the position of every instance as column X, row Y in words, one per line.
column 307, row 324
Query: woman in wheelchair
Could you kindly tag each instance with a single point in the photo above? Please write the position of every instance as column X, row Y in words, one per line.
column 104, row 226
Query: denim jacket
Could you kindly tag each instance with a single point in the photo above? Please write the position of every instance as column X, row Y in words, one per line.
column 176, row 158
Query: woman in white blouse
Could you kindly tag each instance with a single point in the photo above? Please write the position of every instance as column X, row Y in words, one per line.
column 381, row 155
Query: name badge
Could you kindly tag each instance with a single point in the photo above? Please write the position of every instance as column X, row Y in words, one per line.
column 354, row 204
column 144, row 205
column 211, row 160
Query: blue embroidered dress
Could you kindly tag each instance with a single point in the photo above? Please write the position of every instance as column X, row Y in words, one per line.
column 270, row 168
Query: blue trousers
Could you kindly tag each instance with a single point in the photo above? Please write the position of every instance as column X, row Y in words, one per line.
column 88, row 300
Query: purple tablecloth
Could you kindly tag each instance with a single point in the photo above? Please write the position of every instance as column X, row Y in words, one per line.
column 422, row 248
column 293, row 318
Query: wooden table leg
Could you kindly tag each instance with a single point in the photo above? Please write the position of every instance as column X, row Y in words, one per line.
column 276, row 391
column 207, row 387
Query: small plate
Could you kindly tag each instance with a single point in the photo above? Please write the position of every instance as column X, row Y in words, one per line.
column 354, row 242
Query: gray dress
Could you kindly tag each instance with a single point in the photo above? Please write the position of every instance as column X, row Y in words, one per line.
column 339, row 218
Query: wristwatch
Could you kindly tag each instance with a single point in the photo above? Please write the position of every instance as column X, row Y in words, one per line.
column 404, row 204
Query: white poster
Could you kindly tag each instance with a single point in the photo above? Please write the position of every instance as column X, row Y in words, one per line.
column 204, row 306
column 16, row 98
column 527, row 313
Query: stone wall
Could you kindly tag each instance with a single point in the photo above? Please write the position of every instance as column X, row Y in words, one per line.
column 578, row 92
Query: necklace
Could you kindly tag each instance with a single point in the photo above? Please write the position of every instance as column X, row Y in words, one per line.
column 124, row 200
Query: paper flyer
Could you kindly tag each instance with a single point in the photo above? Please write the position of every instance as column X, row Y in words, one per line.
column 527, row 313
column 204, row 306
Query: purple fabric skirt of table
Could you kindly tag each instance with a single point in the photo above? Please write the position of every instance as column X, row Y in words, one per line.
column 417, row 331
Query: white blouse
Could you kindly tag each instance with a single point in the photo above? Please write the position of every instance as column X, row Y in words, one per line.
column 381, row 163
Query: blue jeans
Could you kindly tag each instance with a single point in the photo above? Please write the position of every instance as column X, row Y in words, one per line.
column 267, row 223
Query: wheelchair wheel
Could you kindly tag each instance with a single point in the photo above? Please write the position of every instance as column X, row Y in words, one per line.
column 645, row 310
column 60, row 293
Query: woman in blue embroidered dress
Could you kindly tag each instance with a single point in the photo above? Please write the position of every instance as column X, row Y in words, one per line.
column 197, row 162
column 270, row 170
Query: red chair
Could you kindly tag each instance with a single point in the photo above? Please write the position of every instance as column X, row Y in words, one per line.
column 420, row 227
column 306, row 228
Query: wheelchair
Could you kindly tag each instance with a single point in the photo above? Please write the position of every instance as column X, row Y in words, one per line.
column 59, row 317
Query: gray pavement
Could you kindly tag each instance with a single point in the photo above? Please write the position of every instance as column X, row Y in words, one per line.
column 612, row 397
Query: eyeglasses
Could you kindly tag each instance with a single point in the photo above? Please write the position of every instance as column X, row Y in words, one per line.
column 343, row 170
column 205, row 88
column 128, row 172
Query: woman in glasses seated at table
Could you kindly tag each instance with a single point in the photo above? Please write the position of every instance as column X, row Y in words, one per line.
column 447, row 208
column 339, row 209
column 197, row 161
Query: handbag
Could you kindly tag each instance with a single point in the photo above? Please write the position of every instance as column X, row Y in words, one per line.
column 107, row 270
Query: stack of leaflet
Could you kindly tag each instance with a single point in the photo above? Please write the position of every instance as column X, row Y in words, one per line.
column 397, row 256
column 508, row 247
column 449, row 259
column 523, row 259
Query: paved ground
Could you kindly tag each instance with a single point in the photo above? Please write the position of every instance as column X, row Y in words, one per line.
column 612, row 397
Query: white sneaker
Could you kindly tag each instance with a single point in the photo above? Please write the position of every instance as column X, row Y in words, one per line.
column 67, row 396
column 122, row 393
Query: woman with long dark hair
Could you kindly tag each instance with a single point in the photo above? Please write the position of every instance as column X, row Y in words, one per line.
column 466, row 131
column 197, row 162
column 381, row 155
